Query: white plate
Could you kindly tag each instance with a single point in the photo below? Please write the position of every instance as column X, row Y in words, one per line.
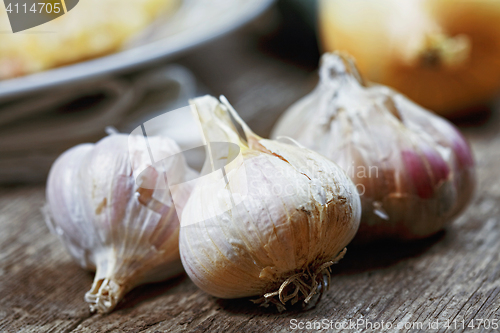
column 195, row 23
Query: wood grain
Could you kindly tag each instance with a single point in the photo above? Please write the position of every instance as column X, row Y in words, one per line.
column 453, row 275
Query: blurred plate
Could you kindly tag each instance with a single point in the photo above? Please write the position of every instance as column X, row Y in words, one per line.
column 195, row 22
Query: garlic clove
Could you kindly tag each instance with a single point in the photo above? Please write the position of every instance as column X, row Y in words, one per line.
column 413, row 170
column 64, row 206
column 118, row 215
column 288, row 214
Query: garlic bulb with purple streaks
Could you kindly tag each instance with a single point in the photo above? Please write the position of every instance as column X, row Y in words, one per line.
column 413, row 169
column 109, row 205
column 270, row 222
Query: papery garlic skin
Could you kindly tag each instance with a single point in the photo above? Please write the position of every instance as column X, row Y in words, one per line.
column 413, row 169
column 298, row 211
column 443, row 54
column 108, row 222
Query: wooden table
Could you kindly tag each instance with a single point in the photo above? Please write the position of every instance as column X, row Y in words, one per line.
column 452, row 276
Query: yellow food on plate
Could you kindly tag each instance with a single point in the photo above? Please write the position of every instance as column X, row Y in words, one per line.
column 92, row 29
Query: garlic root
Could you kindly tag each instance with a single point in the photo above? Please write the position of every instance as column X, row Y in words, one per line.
column 104, row 295
column 306, row 286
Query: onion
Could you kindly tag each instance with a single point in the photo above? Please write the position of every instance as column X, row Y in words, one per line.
column 443, row 54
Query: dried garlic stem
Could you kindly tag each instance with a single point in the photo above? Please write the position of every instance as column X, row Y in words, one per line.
column 306, row 286
column 104, row 295
column 442, row 50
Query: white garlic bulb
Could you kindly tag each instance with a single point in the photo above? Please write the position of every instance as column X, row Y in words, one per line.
column 110, row 206
column 413, row 169
column 270, row 222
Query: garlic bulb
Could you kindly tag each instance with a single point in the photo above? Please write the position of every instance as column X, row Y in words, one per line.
column 443, row 54
column 126, row 230
column 270, row 222
column 413, row 169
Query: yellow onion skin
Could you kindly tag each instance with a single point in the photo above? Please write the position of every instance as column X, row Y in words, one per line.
column 414, row 170
column 299, row 212
column 392, row 42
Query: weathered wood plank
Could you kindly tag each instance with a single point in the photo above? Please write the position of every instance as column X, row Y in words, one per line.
column 40, row 288
column 454, row 275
